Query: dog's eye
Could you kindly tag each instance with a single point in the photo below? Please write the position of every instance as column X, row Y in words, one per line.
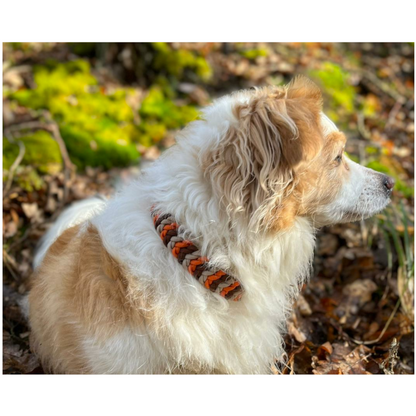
column 338, row 159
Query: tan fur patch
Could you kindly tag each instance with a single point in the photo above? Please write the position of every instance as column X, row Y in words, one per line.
column 78, row 292
column 252, row 169
column 277, row 164
column 320, row 181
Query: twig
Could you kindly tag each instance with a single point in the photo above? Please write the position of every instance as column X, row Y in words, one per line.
column 52, row 128
column 15, row 164
column 68, row 166
column 362, row 128
column 393, row 112
column 383, row 331
column 24, row 236
column 382, row 86
column 10, row 264
column 392, row 359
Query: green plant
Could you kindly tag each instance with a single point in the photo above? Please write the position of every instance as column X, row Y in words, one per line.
column 399, row 234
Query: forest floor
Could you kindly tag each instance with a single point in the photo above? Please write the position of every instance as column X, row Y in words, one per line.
column 356, row 314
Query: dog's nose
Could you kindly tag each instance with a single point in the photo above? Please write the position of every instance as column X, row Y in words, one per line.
column 388, row 184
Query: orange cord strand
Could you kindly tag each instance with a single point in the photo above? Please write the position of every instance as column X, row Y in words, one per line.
column 213, row 278
column 167, row 228
column 179, row 245
column 229, row 289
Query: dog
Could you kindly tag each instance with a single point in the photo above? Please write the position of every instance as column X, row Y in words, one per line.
column 194, row 266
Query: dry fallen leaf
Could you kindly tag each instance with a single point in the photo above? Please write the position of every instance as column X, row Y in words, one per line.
column 297, row 334
column 32, row 211
column 343, row 361
column 360, row 290
column 303, row 306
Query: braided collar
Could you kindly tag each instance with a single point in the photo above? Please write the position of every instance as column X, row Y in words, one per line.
column 189, row 256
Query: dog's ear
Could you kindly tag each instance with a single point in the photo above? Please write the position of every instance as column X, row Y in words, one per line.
column 252, row 167
column 303, row 106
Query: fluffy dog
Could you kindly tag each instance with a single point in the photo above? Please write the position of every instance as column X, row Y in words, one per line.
column 193, row 267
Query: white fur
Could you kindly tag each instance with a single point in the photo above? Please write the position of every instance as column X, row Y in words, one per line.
column 328, row 126
column 361, row 196
column 195, row 329
column 204, row 330
column 74, row 215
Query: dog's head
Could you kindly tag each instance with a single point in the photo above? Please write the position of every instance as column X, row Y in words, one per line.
column 279, row 157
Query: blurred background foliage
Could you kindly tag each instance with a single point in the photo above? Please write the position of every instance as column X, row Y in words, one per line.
column 112, row 102
column 117, row 105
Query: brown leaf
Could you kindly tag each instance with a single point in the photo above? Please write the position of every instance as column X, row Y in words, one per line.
column 15, row 216
column 324, row 350
column 297, row 334
column 360, row 291
column 328, row 245
column 10, row 229
column 303, row 306
column 16, row 360
column 343, row 361
column 31, row 210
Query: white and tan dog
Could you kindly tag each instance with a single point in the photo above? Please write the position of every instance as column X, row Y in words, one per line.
column 247, row 186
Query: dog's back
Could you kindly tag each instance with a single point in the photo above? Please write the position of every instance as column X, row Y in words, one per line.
column 74, row 215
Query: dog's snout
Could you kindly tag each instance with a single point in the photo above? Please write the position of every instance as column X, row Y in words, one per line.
column 388, row 184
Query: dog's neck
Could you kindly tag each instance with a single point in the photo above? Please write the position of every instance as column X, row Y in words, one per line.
column 191, row 258
column 264, row 264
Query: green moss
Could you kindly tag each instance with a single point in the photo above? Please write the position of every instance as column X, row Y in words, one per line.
column 157, row 108
column 57, row 80
column 370, row 150
column 41, row 152
column 97, row 150
column 100, row 128
column 252, row 54
column 335, row 83
column 28, row 179
column 176, row 61
column 97, row 128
